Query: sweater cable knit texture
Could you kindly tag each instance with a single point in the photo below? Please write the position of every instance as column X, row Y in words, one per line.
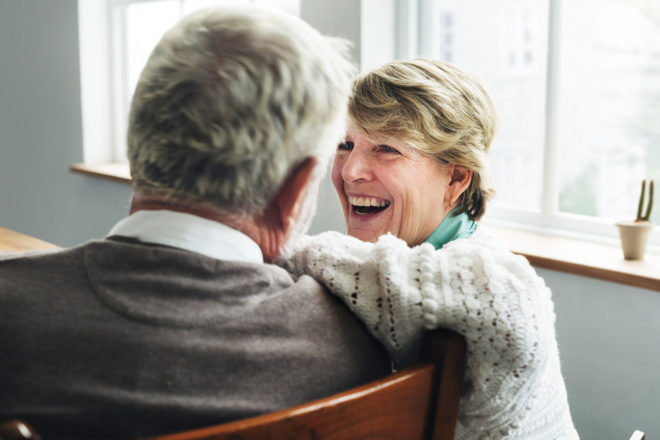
column 513, row 386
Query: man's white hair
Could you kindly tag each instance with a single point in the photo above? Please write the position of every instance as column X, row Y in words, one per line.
column 232, row 99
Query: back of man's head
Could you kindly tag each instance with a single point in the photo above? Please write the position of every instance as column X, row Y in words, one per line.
column 233, row 99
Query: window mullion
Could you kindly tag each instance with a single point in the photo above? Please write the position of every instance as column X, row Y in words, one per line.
column 550, row 189
column 118, row 54
column 427, row 29
column 407, row 24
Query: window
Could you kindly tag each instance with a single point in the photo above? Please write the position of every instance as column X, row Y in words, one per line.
column 577, row 87
column 575, row 82
column 124, row 33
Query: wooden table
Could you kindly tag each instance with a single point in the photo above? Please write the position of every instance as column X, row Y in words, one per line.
column 12, row 241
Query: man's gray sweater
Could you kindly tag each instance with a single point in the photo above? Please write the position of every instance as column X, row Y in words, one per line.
column 120, row 339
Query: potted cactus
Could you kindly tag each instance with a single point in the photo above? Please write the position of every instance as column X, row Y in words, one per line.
column 635, row 234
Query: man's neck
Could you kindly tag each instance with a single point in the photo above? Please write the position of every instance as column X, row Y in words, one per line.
column 251, row 226
column 153, row 200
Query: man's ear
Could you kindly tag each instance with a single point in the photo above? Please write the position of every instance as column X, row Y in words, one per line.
column 460, row 178
column 291, row 196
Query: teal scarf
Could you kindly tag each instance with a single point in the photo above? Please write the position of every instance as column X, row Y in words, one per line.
column 451, row 228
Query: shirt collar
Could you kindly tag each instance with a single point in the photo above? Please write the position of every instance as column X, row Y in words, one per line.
column 452, row 227
column 189, row 232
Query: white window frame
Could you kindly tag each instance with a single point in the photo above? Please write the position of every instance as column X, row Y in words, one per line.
column 116, row 81
column 413, row 18
column 119, row 79
column 99, row 140
column 102, row 80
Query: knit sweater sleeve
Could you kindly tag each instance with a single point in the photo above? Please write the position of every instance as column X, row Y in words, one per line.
column 487, row 294
column 373, row 280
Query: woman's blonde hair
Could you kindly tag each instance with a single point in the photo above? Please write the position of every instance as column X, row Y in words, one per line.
column 436, row 108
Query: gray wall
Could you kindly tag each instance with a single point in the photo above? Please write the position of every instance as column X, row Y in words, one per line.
column 609, row 343
column 323, row 16
column 608, row 333
column 40, row 129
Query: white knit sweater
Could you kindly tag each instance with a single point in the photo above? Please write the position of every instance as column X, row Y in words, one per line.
column 513, row 386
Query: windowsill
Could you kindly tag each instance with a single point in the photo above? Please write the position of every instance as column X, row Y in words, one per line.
column 570, row 255
column 115, row 171
column 581, row 257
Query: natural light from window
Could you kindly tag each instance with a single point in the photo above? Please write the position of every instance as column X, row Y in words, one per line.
column 609, row 136
column 579, row 134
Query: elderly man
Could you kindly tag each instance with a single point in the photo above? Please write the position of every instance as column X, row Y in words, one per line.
column 177, row 319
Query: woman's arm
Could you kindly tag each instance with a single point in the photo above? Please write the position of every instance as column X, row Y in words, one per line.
column 490, row 296
column 484, row 292
column 371, row 278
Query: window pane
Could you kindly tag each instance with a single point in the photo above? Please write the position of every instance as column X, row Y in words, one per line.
column 145, row 24
column 505, row 44
column 192, row 5
column 289, row 6
column 609, row 136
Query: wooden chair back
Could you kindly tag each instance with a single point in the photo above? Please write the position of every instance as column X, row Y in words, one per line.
column 17, row 430
column 638, row 435
column 418, row 402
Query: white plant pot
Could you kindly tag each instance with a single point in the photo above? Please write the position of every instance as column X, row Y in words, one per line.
column 634, row 238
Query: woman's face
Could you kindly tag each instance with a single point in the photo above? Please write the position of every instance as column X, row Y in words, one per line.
column 389, row 187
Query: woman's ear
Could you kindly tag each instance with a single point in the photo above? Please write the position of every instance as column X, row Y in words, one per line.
column 460, row 178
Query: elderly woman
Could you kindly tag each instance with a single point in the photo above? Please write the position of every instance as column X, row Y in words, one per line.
column 412, row 176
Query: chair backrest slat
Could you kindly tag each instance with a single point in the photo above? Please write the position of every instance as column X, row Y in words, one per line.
column 17, row 430
column 447, row 351
column 389, row 407
column 417, row 403
column 420, row 402
column 638, row 435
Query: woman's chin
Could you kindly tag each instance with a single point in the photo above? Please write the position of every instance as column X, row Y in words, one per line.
column 368, row 226
column 364, row 234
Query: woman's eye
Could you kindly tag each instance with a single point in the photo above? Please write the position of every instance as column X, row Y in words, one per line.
column 387, row 149
column 345, row 146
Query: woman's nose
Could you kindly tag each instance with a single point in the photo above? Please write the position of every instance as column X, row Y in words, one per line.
column 356, row 167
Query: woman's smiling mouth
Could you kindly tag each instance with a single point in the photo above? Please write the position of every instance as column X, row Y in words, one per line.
column 367, row 205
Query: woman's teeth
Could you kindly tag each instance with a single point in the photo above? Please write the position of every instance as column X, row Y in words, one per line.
column 367, row 201
column 367, row 205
